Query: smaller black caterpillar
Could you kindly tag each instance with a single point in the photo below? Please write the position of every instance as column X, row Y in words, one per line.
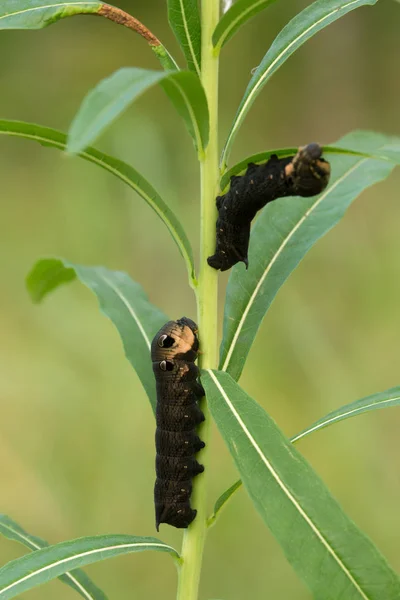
column 305, row 174
column 173, row 352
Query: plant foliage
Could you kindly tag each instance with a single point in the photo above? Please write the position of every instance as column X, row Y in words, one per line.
column 324, row 546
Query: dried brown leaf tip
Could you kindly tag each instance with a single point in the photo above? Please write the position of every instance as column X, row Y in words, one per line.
column 122, row 18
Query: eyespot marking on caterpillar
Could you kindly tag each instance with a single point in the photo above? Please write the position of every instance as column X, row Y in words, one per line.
column 166, row 365
column 165, row 341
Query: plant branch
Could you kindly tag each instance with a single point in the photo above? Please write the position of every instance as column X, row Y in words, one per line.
column 194, row 536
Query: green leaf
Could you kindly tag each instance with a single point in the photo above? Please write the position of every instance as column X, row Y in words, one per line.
column 36, row 14
column 184, row 18
column 78, row 580
column 222, row 500
column 167, row 61
column 187, row 94
column 322, row 544
column 43, row 565
column 284, row 232
column 121, row 299
column 385, row 399
column 307, row 23
column 234, row 18
column 113, row 95
column 124, row 172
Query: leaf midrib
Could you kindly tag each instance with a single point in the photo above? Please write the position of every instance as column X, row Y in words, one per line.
column 80, row 555
column 126, row 303
column 26, row 10
column 189, row 107
column 189, row 39
column 31, row 543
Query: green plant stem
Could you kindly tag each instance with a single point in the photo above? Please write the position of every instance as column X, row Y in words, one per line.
column 207, row 296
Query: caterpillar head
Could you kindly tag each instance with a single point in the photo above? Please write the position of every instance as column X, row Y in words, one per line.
column 309, row 171
column 176, row 340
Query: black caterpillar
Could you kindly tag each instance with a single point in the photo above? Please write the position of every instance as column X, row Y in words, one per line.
column 173, row 352
column 305, row 174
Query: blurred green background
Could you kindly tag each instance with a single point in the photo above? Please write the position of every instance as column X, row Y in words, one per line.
column 76, row 431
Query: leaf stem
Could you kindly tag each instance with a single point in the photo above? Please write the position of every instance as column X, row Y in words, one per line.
column 207, row 290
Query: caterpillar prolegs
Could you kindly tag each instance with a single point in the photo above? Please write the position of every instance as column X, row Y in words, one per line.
column 305, row 174
column 173, row 352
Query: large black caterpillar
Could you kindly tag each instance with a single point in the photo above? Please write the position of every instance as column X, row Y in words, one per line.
column 173, row 352
column 305, row 174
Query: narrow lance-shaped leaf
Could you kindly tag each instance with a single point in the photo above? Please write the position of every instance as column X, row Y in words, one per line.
column 378, row 401
column 124, row 172
column 222, row 500
column 112, row 96
column 322, row 544
column 77, row 580
column 44, row 565
column 238, row 14
column 385, row 399
column 184, row 18
column 284, row 232
column 36, row 14
column 121, row 299
column 307, row 23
